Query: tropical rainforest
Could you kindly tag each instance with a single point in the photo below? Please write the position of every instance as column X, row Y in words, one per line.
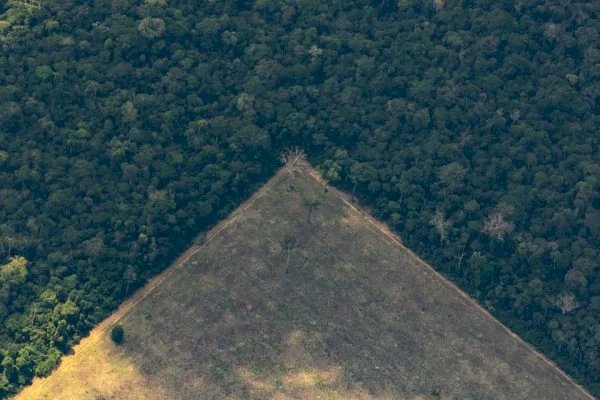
column 128, row 127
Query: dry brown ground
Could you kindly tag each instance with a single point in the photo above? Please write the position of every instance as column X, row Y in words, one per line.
column 354, row 315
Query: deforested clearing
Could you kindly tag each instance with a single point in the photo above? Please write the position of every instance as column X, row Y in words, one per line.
column 301, row 295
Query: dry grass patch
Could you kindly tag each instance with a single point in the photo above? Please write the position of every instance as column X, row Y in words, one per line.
column 277, row 308
column 103, row 372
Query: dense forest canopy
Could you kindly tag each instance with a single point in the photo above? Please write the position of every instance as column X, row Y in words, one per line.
column 128, row 127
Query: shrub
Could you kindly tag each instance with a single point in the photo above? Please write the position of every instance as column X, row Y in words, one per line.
column 117, row 333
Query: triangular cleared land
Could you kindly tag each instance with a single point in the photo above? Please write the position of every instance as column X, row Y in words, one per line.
column 274, row 307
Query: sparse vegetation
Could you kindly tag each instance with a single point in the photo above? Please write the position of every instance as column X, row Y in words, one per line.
column 356, row 317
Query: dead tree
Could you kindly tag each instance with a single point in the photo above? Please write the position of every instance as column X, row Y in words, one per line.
column 566, row 302
column 294, row 161
column 497, row 227
column 441, row 225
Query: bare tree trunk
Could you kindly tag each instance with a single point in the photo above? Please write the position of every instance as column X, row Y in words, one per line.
column 460, row 258
column 324, row 193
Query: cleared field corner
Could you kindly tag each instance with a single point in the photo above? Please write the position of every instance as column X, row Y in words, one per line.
column 300, row 295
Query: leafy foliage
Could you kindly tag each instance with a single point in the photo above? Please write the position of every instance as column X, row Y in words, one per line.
column 126, row 128
column 117, row 334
